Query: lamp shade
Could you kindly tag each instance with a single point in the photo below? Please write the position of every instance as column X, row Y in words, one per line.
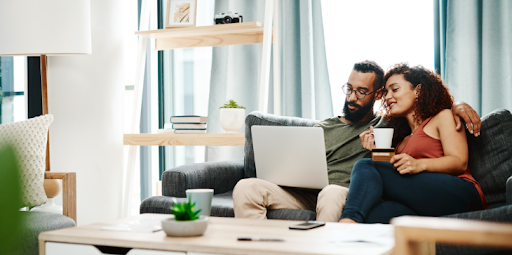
column 49, row 27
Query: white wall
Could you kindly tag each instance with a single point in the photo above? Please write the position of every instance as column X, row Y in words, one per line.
column 85, row 95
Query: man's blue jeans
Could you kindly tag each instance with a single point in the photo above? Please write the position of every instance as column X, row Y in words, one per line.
column 426, row 194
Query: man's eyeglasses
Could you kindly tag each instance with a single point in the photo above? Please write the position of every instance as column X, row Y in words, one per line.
column 359, row 93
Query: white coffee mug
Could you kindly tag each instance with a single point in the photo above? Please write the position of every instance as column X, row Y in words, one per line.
column 202, row 198
column 383, row 137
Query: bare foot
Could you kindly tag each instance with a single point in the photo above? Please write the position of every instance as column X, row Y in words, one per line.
column 347, row 220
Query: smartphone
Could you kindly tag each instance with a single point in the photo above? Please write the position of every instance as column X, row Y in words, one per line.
column 307, row 225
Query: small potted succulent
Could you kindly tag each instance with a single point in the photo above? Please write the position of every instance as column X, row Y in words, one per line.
column 232, row 116
column 185, row 220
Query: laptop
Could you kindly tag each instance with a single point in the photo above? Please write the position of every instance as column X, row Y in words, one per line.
column 290, row 156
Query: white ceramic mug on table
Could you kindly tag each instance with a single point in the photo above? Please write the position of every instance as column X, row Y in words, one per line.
column 202, row 198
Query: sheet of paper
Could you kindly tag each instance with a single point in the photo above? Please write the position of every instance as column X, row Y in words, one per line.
column 137, row 226
column 365, row 234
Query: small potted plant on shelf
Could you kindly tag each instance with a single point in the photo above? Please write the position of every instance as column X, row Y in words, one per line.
column 185, row 221
column 232, row 116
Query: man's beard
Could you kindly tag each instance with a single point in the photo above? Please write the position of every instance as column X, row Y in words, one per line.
column 359, row 114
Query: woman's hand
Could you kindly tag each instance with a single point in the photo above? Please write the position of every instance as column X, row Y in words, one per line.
column 367, row 139
column 406, row 164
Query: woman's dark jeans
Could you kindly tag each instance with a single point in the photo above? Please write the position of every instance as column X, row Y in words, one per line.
column 426, row 194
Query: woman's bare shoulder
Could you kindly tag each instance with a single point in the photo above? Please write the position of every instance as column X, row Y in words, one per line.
column 444, row 117
column 444, row 113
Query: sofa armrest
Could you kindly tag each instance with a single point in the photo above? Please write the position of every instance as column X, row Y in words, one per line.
column 220, row 176
column 509, row 191
column 68, row 191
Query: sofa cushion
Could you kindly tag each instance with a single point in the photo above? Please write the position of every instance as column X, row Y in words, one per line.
column 291, row 214
column 36, row 222
column 265, row 119
column 490, row 155
column 222, row 204
column 29, row 138
column 499, row 214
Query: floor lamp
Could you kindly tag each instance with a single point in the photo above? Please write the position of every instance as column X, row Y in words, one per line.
column 45, row 28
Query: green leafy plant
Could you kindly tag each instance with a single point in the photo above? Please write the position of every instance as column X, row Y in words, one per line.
column 11, row 219
column 185, row 211
column 231, row 104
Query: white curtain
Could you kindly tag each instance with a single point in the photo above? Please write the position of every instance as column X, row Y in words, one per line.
column 478, row 52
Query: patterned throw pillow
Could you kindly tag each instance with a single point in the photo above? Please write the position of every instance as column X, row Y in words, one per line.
column 29, row 141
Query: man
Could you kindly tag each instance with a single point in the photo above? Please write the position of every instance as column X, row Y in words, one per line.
column 252, row 197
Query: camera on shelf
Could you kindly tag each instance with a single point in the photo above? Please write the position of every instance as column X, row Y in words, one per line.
column 228, row 18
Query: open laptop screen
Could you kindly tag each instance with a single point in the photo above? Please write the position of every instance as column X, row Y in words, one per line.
column 290, row 156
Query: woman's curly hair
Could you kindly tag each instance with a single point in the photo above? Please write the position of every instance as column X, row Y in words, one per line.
column 433, row 97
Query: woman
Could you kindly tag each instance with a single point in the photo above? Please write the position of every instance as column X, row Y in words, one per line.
column 429, row 173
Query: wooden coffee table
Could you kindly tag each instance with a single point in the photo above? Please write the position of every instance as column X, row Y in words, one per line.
column 220, row 238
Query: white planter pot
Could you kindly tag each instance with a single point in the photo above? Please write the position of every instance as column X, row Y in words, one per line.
column 232, row 119
column 185, row 228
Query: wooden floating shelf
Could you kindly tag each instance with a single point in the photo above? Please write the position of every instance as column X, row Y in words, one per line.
column 237, row 139
column 216, row 35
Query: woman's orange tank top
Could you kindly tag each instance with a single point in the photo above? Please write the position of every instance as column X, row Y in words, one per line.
column 421, row 145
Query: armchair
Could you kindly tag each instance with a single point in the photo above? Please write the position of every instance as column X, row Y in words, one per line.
column 29, row 139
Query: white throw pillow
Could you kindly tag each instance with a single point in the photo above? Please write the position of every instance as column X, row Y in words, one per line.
column 29, row 138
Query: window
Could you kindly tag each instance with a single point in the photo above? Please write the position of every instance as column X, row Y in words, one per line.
column 182, row 77
column 186, row 87
column 13, row 83
column 387, row 32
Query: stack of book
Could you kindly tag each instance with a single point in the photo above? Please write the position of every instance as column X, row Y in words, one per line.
column 189, row 124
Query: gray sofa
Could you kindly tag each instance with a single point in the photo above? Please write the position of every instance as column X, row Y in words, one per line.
column 222, row 176
column 490, row 162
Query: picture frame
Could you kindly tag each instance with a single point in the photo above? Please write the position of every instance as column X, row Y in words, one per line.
column 181, row 13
